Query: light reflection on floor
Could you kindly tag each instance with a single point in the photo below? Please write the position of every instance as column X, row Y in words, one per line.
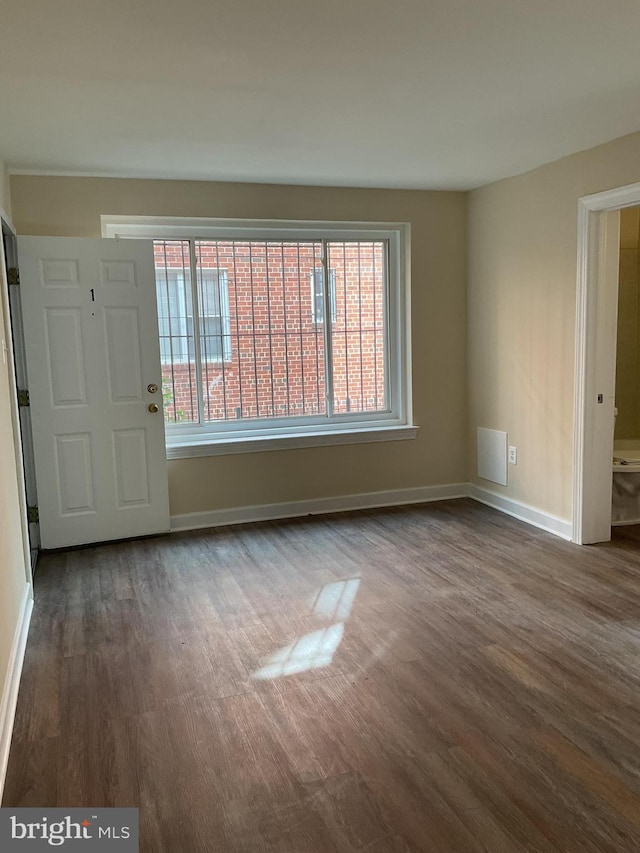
column 311, row 651
column 335, row 600
column 316, row 649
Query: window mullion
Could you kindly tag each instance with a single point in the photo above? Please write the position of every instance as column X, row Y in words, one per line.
column 195, row 307
column 326, row 324
column 386, row 332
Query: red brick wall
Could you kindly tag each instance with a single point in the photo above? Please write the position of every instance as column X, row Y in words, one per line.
column 276, row 364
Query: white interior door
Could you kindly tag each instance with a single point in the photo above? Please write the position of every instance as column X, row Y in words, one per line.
column 93, row 361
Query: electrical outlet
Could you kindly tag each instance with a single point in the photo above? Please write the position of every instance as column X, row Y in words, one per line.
column 513, row 455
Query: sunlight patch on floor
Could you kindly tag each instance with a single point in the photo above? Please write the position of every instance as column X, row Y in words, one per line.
column 335, row 600
column 311, row 651
column 316, row 649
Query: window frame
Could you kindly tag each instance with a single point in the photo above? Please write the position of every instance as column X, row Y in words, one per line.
column 213, row 438
column 175, row 278
column 222, row 285
column 318, row 319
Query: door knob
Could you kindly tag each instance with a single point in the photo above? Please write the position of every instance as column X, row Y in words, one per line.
column 152, row 388
column 153, row 408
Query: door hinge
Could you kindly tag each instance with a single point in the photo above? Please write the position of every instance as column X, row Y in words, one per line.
column 33, row 516
column 13, row 276
column 23, row 398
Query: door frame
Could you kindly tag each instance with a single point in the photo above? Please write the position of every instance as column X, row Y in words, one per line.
column 595, row 359
column 10, row 245
column 15, row 413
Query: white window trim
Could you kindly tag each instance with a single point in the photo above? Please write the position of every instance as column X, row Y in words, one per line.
column 282, row 440
column 195, row 440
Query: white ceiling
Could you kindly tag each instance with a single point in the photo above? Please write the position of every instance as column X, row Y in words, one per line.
column 388, row 93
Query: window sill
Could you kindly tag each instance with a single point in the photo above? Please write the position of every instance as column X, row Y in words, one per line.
column 185, row 447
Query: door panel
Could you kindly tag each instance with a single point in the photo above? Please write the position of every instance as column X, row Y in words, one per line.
column 123, row 354
column 59, row 273
column 75, row 475
column 130, row 458
column 118, row 273
column 92, row 346
column 65, row 356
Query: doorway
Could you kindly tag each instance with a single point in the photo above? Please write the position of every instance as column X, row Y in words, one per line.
column 625, row 509
column 596, row 336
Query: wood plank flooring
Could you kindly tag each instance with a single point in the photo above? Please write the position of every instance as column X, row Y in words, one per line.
column 438, row 678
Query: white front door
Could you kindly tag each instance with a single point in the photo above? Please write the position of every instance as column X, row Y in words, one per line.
column 93, row 362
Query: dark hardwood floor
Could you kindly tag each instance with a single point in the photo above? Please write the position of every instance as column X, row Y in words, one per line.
column 438, row 678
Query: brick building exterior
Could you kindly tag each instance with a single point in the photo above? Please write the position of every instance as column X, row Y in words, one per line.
column 263, row 337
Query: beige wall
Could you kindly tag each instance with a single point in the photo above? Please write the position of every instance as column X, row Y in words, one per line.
column 522, row 292
column 5, row 191
column 72, row 207
column 628, row 342
column 12, row 560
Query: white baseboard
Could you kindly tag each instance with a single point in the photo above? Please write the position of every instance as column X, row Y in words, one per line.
column 371, row 500
column 12, row 682
column 318, row 506
column 523, row 512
